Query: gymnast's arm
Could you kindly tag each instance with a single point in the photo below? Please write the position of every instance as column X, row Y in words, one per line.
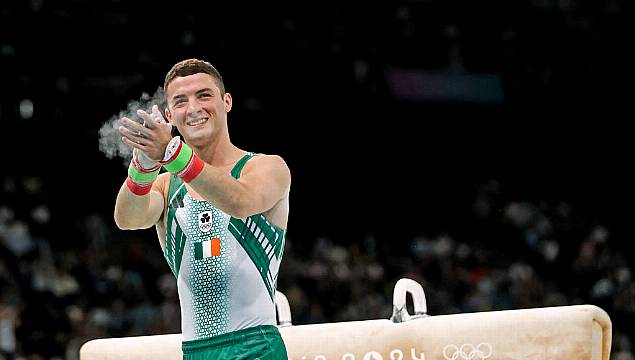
column 263, row 183
column 140, row 201
column 134, row 211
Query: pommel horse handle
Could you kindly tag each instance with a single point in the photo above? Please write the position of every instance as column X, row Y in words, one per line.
column 399, row 311
column 284, row 310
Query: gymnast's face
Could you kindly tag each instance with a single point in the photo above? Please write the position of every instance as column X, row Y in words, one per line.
column 197, row 108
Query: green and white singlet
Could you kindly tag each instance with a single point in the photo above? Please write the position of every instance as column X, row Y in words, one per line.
column 226, row 268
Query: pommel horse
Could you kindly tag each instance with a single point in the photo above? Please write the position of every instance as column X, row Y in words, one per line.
column 577, row 332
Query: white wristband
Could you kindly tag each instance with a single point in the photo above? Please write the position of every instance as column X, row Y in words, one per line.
column 171, row 149
column 143, row 160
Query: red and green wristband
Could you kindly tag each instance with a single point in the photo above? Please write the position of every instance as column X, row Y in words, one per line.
column 182, row 161
column 140, row 180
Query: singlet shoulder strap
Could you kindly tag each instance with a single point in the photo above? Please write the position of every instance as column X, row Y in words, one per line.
column 174, row 236
column 238, row 168
column 175, row 185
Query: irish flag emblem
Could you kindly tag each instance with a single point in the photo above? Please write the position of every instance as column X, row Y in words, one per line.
column 207, row 248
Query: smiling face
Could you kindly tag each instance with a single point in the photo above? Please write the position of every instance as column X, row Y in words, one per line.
column 197, row 107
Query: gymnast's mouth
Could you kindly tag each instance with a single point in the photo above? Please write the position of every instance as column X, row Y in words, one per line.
column 196, row 122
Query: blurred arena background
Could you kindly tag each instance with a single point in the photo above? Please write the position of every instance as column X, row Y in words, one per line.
column 480, row 148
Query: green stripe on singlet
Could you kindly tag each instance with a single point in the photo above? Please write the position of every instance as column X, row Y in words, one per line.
column 273, row 235
column 175, row 238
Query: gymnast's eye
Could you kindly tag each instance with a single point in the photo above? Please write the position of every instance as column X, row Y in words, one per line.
column 178, row 102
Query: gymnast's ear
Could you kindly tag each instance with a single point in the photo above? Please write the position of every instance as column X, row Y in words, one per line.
column 227, row 100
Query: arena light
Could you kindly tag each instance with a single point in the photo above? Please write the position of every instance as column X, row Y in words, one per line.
column 26, row 109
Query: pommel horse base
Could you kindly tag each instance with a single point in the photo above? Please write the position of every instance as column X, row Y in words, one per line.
column 579, row 332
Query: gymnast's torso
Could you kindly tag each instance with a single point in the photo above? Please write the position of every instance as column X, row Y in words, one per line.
column 226, row 268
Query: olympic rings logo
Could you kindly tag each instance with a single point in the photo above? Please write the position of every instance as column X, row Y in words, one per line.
column 481, row 351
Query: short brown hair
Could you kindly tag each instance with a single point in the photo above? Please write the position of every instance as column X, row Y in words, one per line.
column 191, row 67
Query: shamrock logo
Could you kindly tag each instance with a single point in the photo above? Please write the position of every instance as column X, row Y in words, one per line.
column 205, row 221
column 205, row 218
